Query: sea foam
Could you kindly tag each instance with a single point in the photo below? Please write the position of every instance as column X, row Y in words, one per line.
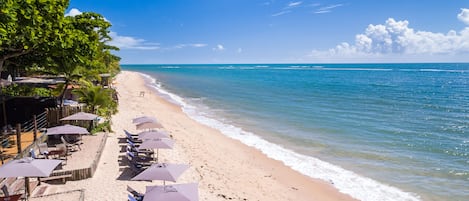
column 348, row 182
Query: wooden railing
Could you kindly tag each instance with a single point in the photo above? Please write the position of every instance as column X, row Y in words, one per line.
column 85, row 173
column 55, row 114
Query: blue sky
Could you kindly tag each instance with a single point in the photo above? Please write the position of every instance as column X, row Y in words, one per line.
column 276, row 31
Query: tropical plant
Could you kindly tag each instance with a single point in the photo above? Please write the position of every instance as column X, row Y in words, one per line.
column 97, row 99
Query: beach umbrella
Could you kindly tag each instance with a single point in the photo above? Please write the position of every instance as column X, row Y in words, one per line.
column 148, row 125
column 28, row 167
column 66, row 129
column 152, row 135
column 162, row 171
column 81, row 116
column 158, row 143
column 177, row 192
column 143, row 119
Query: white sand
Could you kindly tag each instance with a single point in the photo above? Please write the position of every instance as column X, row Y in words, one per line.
column 223, row 167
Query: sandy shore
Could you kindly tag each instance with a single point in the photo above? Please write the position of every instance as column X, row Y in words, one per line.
column 224, row 168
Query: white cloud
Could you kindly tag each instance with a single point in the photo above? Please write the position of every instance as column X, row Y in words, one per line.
column 219, row 47
column 322, row 11
column 327, row 9
column 190, row 45
column 464, row 16
column 240, row 50
column 288, row 8
column 73, row 12
column 396, row 39
column 128, row 42
column 294, row 4
column 281, row 13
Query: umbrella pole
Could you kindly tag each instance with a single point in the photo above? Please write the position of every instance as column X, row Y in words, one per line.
column 27, row 190
column 157, row 156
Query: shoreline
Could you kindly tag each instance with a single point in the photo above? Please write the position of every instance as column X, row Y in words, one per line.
column 224, row 168
column 274, row 176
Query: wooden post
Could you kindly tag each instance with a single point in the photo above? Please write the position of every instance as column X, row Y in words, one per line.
column 18, row 137
column 35, row 128
column 28, row 188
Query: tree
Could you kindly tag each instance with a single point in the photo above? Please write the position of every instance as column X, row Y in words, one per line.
column 76, row 53
column 29, row 26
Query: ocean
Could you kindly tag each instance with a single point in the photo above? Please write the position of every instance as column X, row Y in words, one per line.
column 375, row 131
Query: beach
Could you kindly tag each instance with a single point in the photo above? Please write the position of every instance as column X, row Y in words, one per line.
column 225, row 169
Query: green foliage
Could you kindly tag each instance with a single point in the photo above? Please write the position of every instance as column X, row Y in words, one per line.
column 22, row 90
column 98, row 100
column 29, row 26
column 103, row 127
column 35, row 36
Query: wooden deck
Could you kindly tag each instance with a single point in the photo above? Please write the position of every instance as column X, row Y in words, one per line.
column 11, row 151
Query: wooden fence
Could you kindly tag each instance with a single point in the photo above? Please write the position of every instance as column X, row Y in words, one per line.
column 55, row 114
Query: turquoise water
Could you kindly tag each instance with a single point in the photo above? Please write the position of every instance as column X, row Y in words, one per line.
column 376, row 131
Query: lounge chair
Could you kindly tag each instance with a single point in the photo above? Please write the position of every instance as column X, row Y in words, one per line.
column 62, row 151
column 133, row 144
column 148, row 153
column 136, row 164
column 132, row 139
column 7, row 196
column 32, row 153
column 132, row 198
column 139, row 159
column 43, row 149
column 70, row 146
column 135, row 193
column 129, row 133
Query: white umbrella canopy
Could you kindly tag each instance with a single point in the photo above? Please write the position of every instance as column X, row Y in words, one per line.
column 158, row 143
column 177, row 192
column 145, row 135
column 143, row 119
column 81, row 116
column 162, row 171
column 66, row 129
column 148, row 125
column 28, row 167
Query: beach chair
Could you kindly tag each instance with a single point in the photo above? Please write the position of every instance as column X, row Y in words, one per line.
column 130, row 134
column 138, row 164
column 6, row 192
column 139, row 159
column 62, row 151
column 32, row 153
column 140, row 153
column 132, row 144
column 70, row 146
column 134, row 193
column 7, row 196
column 132, row 198
column 43, row 149
column 132, row 139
